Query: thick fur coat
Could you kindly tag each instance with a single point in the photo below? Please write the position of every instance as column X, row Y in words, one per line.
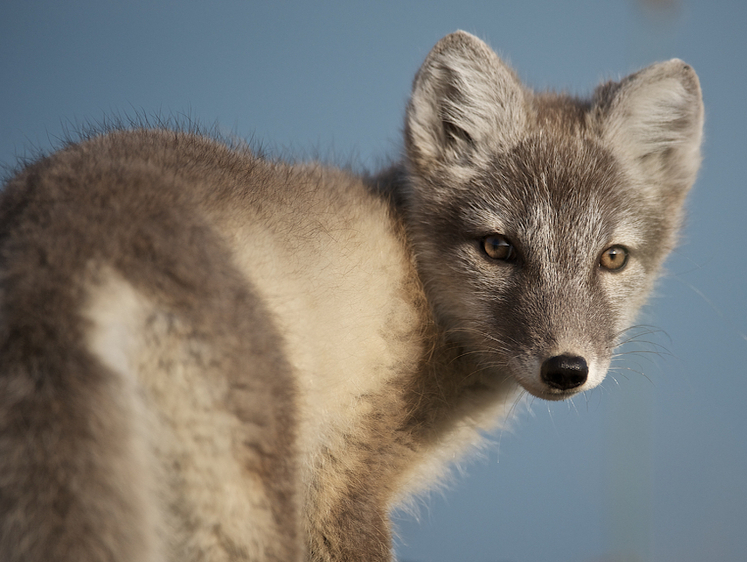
column 209, row 356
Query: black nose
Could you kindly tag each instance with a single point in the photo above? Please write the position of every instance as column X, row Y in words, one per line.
column 565, row 372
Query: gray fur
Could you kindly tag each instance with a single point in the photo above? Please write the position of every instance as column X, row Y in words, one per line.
column 206, row 355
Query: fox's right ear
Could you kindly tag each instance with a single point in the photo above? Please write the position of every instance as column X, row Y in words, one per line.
column 654, row 119
column 465, row 104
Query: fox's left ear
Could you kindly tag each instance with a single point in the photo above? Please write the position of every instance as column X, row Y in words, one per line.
column 654, row 119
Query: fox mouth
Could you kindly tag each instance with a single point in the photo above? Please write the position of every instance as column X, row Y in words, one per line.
column 554, row 395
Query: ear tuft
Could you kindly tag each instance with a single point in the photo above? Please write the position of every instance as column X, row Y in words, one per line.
column 654, row 118
column 465, row 104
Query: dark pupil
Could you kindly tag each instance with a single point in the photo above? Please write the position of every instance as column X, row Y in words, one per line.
column 498, row 247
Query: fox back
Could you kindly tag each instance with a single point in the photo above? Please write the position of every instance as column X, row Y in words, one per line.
column 208, row 355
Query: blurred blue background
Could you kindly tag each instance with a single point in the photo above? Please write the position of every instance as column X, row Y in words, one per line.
column 652, row 466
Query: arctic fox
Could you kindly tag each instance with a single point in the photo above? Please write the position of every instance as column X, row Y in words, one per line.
column 209, row 356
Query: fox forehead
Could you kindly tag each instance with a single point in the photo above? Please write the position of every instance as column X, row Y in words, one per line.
column 541, row 183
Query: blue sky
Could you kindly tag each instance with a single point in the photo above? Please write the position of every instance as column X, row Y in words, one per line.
column 650, row 467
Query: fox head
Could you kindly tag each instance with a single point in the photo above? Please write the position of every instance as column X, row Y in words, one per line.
column 540, row 221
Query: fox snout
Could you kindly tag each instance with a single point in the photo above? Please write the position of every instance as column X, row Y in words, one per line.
column 561, row 374
column 558, row 376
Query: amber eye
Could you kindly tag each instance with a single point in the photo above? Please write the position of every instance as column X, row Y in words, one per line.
column 498, row 248
column 614, row 258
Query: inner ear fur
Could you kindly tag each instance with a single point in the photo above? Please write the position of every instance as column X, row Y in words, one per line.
column 465, row 104
column 654, row 119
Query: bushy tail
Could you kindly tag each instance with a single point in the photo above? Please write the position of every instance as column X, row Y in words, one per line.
column 69, row 481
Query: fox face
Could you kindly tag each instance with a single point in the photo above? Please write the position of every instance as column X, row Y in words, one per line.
column 540, row 222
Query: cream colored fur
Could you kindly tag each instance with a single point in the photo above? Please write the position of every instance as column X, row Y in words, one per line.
column 210, row 356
